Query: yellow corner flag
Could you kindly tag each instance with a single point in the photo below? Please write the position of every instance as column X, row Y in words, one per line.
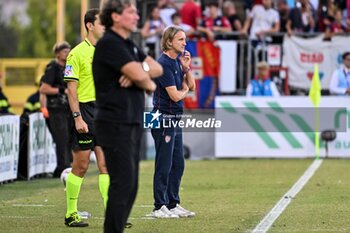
column 315, row 97
column 315, row 89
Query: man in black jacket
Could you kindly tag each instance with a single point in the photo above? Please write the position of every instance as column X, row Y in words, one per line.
column 122, row 72
column 60, row 120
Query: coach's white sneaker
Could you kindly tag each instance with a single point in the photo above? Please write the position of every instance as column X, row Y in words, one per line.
column 163, row 212
column 182, row 212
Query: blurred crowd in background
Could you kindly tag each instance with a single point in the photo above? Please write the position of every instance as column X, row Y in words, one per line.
column 256, row 21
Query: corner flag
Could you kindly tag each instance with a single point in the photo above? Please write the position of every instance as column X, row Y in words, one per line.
column 315, row 97
column 315, row 89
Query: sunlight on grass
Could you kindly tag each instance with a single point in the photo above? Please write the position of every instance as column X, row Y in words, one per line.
column 227, row 196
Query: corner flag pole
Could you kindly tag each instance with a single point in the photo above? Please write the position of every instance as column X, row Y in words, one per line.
column 315, row 97
column 317, row 134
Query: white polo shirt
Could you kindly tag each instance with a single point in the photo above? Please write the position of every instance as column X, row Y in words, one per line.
column 263, row 19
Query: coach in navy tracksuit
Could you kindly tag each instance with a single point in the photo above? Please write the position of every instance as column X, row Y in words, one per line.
column 172, row 88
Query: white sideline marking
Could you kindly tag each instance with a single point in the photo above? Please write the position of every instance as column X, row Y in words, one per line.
column 32, row 205
column 281, row 205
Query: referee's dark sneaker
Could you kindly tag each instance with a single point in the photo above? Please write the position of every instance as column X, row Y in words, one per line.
column 74, row 220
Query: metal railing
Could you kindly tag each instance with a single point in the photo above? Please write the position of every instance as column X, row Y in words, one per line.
column 247, row 54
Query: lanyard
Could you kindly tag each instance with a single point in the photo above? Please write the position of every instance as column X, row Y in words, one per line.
column 346, row 78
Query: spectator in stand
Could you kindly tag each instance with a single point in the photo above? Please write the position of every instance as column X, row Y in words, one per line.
column 325, row 14
column 262, row 20
column 347, row 8
column 314, row 4
column 262, row 85
column 31, row 106
column 176, row 19
column 167, row 9
column 291, row 3
column 152, row 31
column 249, row 4
column 33, row 102
column 300, row 18
column 339, row 25
column 214, row 23
column 191, row 13
column 340, row 80
column 336, row 26
column 343, row 5
column 283, row 11
column 229, row 11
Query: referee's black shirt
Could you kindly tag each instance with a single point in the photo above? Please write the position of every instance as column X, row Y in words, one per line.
column 114, row 103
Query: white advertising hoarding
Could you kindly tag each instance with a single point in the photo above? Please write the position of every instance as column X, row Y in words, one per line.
column 280, row 127
column 41, row 148
column 9, row 147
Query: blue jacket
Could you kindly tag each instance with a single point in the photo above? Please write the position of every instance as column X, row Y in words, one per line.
column 342, row 81
column 261, row 88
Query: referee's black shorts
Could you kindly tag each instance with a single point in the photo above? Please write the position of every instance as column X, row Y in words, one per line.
column 85, row 141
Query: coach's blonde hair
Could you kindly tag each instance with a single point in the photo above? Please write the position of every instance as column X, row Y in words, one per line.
column 168, row 35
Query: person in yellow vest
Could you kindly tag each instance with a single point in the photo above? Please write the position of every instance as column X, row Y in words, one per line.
column 33, row 102
column 32, row 105
column 5, row 106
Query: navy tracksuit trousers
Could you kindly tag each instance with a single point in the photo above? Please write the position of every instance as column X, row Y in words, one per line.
column 169, row 166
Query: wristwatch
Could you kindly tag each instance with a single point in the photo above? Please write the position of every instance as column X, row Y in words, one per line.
column 76, row 114
column 145, row 66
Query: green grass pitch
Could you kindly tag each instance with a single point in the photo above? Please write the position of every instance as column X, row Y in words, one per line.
column 227, row 196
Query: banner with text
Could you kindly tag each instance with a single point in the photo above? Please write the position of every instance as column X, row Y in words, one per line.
column 9, row 147
column 280, row 127
column 301, row 54
column 41, row 148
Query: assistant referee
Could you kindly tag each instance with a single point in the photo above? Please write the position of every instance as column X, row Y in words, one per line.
column 81, row 96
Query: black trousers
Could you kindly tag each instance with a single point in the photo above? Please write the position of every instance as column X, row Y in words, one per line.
column 60, row 122
column 121, row 146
